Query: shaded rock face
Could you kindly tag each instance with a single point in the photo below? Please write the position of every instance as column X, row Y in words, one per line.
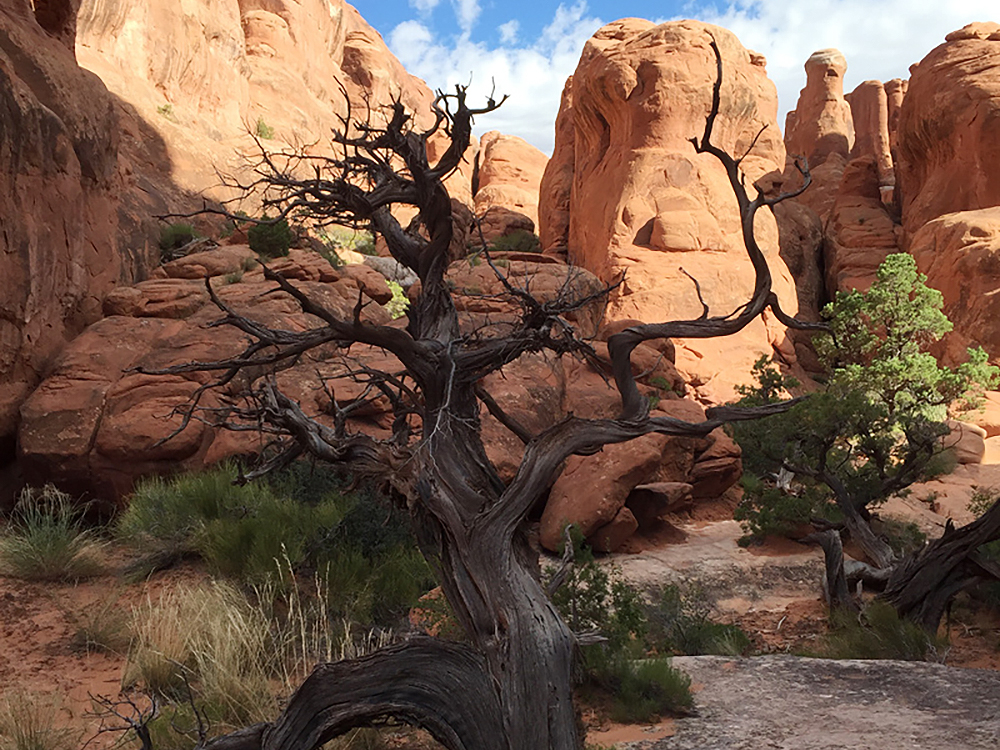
column 870, row 112
column 58, row 196
column 556, row 186
column 95, row 424
column 641, row 201
column 821, row 130
column 948, row 139
column 510, row 170
column 860, row 233
column 960, row 253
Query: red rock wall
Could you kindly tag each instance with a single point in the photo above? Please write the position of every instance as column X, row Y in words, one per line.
column 949, row 128
column 641, row 201
column 58, row 184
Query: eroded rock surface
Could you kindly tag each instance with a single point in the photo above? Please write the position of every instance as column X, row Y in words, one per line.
column 820, row 129
column 948, row 139
column 796, row 703
column 59, row 253
column 510, row 170
column 641, row 201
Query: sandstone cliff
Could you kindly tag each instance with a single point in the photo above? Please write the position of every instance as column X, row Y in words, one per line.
column 626, row 192
column 58, row 196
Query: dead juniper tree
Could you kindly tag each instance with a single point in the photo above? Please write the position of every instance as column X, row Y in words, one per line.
column 510, row 686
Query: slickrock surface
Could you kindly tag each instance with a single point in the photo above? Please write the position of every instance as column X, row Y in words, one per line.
column 793, row 703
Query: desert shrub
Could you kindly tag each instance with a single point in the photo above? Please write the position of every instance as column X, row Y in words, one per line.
column 767, row 510
column 173, row 237
column 640, row 690
column 167, row 111
column 210, row 637
column 680, row 624
column 598, row 599
column 360, row 240
column 518, row 241
column 270, row 238
column 46, row 539
column 903, row 536
column 400, row 303
column 877, row 633
column 263, row 130
column 302, row 516
column 28, row 722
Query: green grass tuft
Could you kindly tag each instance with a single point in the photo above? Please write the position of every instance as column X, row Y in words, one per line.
column 878, row 633
column 46, row 540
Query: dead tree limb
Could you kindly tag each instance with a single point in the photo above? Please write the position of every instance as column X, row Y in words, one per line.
column 511, row 686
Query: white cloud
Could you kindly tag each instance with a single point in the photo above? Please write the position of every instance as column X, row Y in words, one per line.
column 879, row 38
column 466, row 13
column 532, row 74
column 508, row 31
column 424, row 6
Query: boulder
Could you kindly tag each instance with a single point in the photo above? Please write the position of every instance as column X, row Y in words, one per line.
column 642, row 202
column 506, row 184
column 960, row 253
column 966, row 441
column 948, row 140
column 591, row 491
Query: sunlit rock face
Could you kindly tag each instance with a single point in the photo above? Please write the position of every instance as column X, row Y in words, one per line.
column 625, row 191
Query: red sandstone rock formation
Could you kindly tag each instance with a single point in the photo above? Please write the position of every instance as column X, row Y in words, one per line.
column 870, row 112
column 510, row 170
column 94, row 425
column 860, row 232
column 948, row 141
column 556, row 186
column 959, row 252
column 895, row 92
column 821, row 129
column 643, row 202
column 203, row 77
column 58, row 186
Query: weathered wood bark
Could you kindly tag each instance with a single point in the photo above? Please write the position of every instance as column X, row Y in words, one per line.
column 511, row 687
column 922, row 585
column 835, row 589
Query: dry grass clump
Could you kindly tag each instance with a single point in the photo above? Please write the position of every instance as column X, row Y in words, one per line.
column 28, row 722
column 240, row 654
column 46, row 540
column 211, row 637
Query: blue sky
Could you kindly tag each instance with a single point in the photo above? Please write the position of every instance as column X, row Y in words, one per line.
column 529, row 49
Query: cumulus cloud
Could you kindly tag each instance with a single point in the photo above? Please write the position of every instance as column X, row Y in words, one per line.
column 508, row 31
column 532, row 74
column 424, row 6
column 879, row 38
column 466, row 13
